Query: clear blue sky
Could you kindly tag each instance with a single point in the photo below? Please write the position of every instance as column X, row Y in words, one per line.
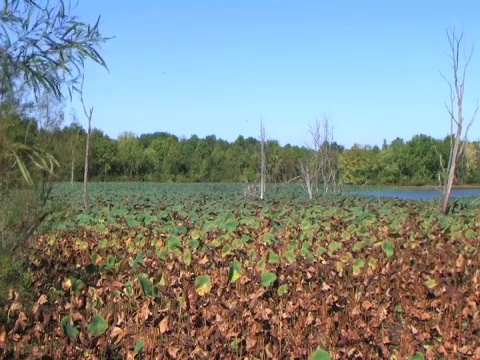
column 218, row 67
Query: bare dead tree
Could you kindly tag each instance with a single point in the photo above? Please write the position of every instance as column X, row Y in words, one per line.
column 263, row 161
column 89, row 115
column 458, row 132
column 308, row 175
column 327, row 155
column 74, row 147
column 319, row 167
column 251, row 190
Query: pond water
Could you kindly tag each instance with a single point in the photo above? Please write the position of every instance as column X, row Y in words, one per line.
column 419, row 194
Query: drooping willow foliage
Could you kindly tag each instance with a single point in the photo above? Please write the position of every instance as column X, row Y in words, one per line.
column 43, row 47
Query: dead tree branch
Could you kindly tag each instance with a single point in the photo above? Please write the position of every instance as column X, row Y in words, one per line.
column 458, row 130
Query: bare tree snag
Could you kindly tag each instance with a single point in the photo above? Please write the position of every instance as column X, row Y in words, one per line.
column 458, row 132
column 263, row 161
column 319, row 168
column 327, row 155
column 89, row 115
column 308, row 176
column 74, row 147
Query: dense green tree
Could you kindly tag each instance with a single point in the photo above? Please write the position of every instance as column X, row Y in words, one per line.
column 359, row 165
column 103, row 154
column 393, row 163
column 130, row 153
column 422, row 160
column 164, row 157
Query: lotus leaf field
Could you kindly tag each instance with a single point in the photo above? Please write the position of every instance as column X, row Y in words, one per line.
column 175, row 271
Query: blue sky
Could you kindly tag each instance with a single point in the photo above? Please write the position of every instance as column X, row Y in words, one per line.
column 218, row 67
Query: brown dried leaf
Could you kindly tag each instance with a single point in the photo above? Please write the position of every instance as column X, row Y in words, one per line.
column 460, row 262
column 203, row 261
column 310, row 319
column 76, row 316
column 115, row 285
column 3, row 336
column 67, row 284
column 367, row 305
column 14, row 308
column 251, row 343
column 20, row 323
column 42, row 299
column 144, row 313
column 13, row 295
column 465, row 350
column 199, row 352
column 269, row 351
column 164, row 325
column 172, row 351
column 117, row 334
column 425, row 316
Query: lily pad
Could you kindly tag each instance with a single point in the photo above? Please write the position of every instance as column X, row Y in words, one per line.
column 321, row 354
column 388, row 248
column 147, row 286
column 234, row 271
column 417, row 356
column 268, row 278
column 68, row 328
column 203, row 285
column 282, row 289
column 139, row 346
column 98, row 326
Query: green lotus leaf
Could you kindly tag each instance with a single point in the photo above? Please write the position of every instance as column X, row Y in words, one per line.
column 334, row 246
column 68, row 328
column 111, row 260
column 203, row 285
column 417, row 356
column 290, row 257
column 98, row 326
column 139, row 346
column 268, row 278
column 282, row 289
column 273, row 258
column 320, row 354
column 138, row 260
column 147, row 286
column 388, row 248
column 234, row 271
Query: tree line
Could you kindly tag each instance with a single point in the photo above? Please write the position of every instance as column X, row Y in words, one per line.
column 165, row 157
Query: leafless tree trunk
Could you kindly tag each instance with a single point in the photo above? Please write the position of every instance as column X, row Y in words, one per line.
column 455, row 110
column 74, row 148
column 308, row 176
column 263, row 165
column 89, row 115
column 87, row 148
column 327, row 155
column 319, row 167
column 72, row 169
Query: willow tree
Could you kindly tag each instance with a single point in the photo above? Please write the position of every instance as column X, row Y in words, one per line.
column 46, row 45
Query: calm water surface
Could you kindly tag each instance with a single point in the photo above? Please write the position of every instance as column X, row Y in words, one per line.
column 419, row 194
